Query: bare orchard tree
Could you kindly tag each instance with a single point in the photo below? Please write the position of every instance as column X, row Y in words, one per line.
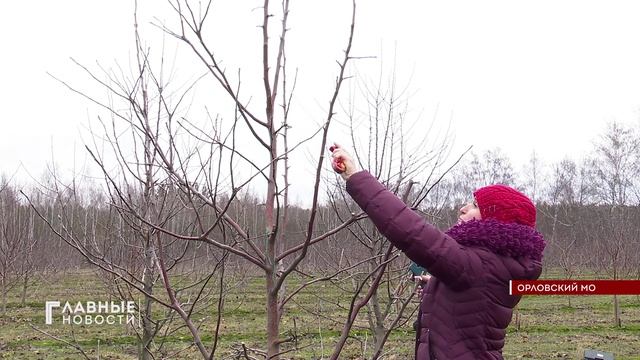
column 269, row 138
column 410, row 166
column 615, row 169
column 27, row 267
column 375, row 274
column 18, row 240
column 117, row 233
column 616, row 165
column 12, row 233
column 560, row 212
column 174, row 165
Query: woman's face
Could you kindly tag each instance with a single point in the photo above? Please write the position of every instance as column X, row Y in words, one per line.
column 469, row 212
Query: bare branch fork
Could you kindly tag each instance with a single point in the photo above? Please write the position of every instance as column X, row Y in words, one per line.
column 323, row 147
column 153, row 157
column 355, row 307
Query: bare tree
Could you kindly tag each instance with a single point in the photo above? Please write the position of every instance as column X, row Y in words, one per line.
column 616, row 165
column 379, row 274
column 562, row 196
column 155, row 178
column 17, row 243
column 12, row 234
column 276, row 261
column 117, row 233
column 533, row 177
column 490, row 167
column 615, row 169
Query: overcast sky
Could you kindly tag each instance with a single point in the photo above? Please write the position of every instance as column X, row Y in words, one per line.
column 519, row 75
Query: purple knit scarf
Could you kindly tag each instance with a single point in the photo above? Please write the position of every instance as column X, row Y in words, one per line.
column 509, row 239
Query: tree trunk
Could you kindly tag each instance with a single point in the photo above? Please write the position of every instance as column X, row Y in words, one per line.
column 282, row 292
column 4, row 295
column 380, row 338
column 273, row 320
column 147, row 324
column 379, row 332
column 25, row 284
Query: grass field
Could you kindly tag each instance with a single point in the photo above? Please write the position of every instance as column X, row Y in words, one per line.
column 546, row 327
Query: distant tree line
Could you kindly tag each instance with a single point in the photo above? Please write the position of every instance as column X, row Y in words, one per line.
column 588, row 211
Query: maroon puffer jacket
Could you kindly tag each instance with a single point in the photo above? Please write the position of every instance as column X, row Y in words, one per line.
column 466, row 306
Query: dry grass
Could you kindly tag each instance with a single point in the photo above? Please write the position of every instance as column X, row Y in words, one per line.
column 546, row 327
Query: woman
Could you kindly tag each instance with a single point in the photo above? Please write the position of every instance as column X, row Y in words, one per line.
column 466, row 306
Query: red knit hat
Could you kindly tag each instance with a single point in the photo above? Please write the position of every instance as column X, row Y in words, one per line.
column 506, row 204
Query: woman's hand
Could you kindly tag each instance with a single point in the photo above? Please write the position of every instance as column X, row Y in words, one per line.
column 342, row 162
column 421, row 281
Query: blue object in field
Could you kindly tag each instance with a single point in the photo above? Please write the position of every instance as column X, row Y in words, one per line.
column 597, row 355
column 417, row 269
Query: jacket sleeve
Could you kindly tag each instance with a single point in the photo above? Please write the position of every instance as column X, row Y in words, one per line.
column 450, row 262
